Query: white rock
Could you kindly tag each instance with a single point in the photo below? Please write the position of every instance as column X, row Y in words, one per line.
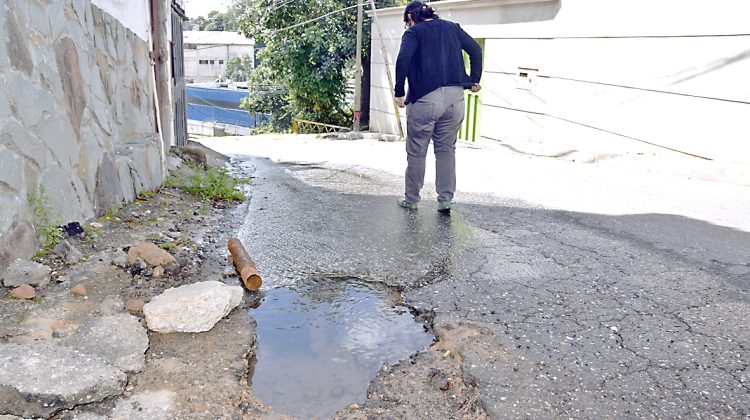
column 193, row 308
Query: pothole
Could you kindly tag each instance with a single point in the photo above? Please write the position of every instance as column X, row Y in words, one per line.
column 322, row 342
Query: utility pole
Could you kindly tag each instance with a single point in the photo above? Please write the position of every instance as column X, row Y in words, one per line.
column 159, row 26
column 358, row 71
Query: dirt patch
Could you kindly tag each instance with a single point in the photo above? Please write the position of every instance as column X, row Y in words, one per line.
column 193, row 375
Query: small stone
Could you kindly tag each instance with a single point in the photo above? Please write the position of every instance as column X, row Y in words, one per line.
column 26, row 272
column 24, row 292
column 68, row 252
column 172, row 269
column 150, row 253
column 96, row 225
column 120, row 259
column 59, row 333
column 111, row 305
column 439, row 380
column 134, row 306
column 78, row 290
column 229, row 272
column 138, row 267
column 158, row 272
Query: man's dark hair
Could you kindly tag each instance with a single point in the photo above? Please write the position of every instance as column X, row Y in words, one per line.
column 419, row 12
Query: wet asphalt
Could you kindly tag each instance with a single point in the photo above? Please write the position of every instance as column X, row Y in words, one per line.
column 581, row 314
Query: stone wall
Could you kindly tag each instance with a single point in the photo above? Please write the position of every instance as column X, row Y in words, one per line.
column 76, row 116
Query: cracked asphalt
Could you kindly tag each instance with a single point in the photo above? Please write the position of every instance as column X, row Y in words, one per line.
column 623, row 295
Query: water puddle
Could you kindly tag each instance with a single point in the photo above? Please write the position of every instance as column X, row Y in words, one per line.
column 320, row 344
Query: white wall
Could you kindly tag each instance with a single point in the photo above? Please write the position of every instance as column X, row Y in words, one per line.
column 613, row 77
column 202, row 73
column 133, row 14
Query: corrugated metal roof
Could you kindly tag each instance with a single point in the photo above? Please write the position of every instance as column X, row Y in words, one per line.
column 216, row 38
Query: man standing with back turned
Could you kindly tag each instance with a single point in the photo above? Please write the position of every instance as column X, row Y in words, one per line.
column 431, row 59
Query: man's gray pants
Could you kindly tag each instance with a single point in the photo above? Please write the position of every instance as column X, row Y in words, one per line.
column 435, row 116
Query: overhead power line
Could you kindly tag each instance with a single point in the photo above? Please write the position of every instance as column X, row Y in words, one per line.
column 311, row 20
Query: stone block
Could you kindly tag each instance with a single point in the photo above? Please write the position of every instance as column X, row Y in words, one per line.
column 86, row 210
column 72, row 81
column 15, row 137
column 47, row 70
column 68, row 252
column 118, row 339
column 121, row 43
column 60, row 137
column 4, row 104
column 89, row 18
column 41, row 379
column 57, row 19
column 11, row 169
column 89, row 159
column 105, row 75
column 17, row 46
column 29, row 100
column 100, row 110
column 20, row 242
column 4, row 61
column 12, row 207
column 62, row 196
column 39, row 19
column 79, row 8
column 141, row 58
column 26, row 272
column 127, row 183
column 108, row 191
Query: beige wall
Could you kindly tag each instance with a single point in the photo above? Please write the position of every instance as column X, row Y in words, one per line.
column 613, row 76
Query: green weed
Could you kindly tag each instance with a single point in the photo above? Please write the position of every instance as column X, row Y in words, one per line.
column 51, row 233
column 214, row 184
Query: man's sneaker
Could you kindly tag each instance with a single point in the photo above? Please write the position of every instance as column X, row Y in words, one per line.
column 406, row 205
column 444, row 206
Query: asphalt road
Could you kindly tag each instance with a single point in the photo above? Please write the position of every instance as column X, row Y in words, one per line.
column 592, row 292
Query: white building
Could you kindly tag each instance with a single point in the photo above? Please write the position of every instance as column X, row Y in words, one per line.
column 603, row 77
column 207, row 53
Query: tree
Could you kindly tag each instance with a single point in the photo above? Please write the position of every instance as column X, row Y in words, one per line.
column 311, row 58
column 267, row 97
column 238, row 68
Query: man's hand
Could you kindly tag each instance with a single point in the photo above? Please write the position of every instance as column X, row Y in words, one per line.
column 476, row 87
column 400, row 102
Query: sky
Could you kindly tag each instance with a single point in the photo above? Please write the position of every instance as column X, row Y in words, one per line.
column 195, row 8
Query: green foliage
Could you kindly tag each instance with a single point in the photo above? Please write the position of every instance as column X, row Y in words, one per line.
column 238, row 68
column 214, row 184
column 217, row 21
column 50, row 232
column 308, row 60
column 267, row 98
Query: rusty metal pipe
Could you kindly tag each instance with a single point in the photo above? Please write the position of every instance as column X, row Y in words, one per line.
column 244, row 265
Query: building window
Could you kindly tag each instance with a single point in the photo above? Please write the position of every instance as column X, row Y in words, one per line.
column 221, row 61
column 190, row 47
column 212, row 61
column 202, row 61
